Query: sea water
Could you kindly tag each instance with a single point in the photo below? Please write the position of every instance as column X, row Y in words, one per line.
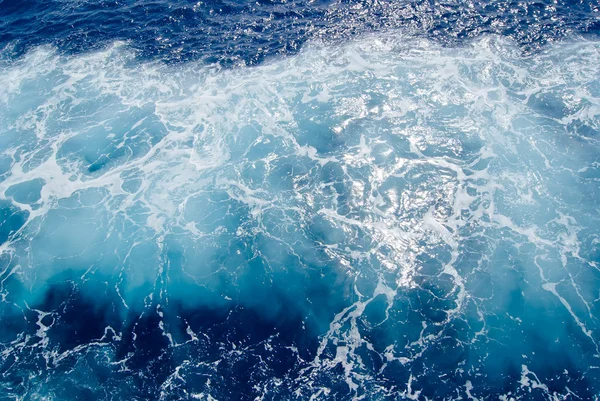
column 381, row 217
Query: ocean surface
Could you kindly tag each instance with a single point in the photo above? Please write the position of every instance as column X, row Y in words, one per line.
column 299, row 200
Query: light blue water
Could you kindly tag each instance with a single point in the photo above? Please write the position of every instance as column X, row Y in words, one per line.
column 383, row 219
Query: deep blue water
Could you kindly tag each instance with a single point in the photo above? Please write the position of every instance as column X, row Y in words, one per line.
column 242, row 31
column 273, row 200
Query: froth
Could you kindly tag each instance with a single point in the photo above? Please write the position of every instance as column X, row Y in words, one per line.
column 443, row 198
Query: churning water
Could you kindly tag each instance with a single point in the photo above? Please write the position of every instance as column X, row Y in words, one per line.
column 382, row 214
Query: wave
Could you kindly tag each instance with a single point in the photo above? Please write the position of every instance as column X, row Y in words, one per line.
column 387, row 218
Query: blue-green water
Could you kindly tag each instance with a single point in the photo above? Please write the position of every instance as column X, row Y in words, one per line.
column 388, row 216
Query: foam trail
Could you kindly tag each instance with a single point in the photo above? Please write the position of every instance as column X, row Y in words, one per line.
column 384, row 219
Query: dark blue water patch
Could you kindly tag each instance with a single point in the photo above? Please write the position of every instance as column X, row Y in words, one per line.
column 67, row 328
column 11, row 220
column 14, row 322
column 95, row 347
column 243, row 31
column 239, row 347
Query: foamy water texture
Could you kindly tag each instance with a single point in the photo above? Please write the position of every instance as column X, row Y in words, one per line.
column 384, row 219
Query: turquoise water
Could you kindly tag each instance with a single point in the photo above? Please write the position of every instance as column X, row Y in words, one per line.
column 384, row 218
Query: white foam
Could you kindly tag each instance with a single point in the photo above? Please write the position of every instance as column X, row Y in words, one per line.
column 401, row 147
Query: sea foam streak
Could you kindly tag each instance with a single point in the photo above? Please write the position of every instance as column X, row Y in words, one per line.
column 386, row 218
